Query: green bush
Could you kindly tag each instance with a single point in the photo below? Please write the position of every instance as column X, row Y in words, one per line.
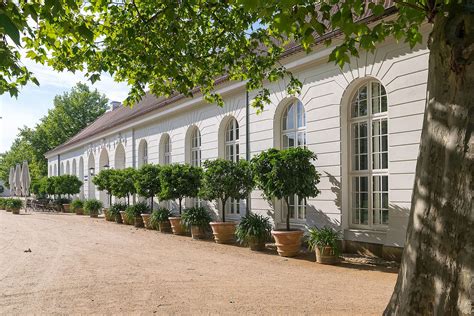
column 103, row 181
column 324, row 237
column 14, row 204
column 3, row 203
column 253, row 228
column 77, row 204
column 137, row 210
column 92, row 207
column 116, row 208
column 158, row 216
column 196, row 216
column 147, row 181
column 123, row 183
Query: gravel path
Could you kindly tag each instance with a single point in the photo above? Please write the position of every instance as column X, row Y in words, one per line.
column 88, row 266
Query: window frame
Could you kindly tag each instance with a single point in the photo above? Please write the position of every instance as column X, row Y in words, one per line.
column 232, row 206
column 370, row 172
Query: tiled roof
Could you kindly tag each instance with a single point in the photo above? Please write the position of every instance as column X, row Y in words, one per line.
column 150, row 102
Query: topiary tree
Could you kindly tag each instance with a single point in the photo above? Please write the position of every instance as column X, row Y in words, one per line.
column 147, row 181
column 103, row 182
column 69, row 184
column 179, row 181
column 284, row 173
column 224, row 179
column 123, row 183
column 49, row 185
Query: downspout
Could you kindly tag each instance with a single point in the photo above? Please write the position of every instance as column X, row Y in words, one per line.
column 133, row 158
column 247, row 141
column 59, row 165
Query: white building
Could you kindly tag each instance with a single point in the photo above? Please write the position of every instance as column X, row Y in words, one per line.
column 363, row 122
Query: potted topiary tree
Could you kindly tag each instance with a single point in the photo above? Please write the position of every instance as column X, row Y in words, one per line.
column 147, row 183
column 135, row 211
column 325, row 242
column 92, row 207
column 116, row 211
column 123, row 183
column 254, row 230
column 179, row 181
column 281, row 174
column 159, row 219
column 67, row 185
column 14, row 205
column 103, row 182
column 3, row 201
column 224, row 179
column 197, row 219
column 77, row 206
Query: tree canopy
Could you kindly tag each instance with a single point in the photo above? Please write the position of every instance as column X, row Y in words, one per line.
column 71, row 113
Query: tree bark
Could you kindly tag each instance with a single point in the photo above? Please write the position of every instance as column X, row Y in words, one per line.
column 437, row 264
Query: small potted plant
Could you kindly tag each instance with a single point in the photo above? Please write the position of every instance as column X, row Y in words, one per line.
column 77, row 207
column 159, row 219
column 92, row 207
column 3, row 201
column 15, row 205
column 198, row 219
column 254, row 230
column 325, row 242
column 7, row 204
column 135, row 212
column 115, row 211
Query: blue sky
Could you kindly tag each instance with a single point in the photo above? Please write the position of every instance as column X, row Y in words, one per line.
column 33, row 102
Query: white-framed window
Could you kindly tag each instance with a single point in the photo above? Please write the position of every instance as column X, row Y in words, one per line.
column 167, row 150
column 232, row 153
column 293, row 134
column 196, row 157
column 369, row 156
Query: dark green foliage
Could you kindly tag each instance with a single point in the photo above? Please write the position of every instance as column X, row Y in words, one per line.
column 77, row 204
column 137, row 210
column 103, row 181
column 179, row 181
column 147, row 181
column 116, row 208
column 67, row 184
column 158, row 216
column 196, row 216
column 92, row 207
column 284, row 173
column 123, row 183
column 253, row 227
column 324, row 237
column 14, row 204
column 224, row 179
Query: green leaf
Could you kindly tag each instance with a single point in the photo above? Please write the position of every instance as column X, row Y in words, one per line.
column 10, row 28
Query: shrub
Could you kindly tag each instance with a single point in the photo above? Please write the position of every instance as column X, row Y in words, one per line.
column 77, row 204
column 147, row 181
column 116, row 208
column 3, row 203
column 14, row 204
column 196, row 216
column 224, row 179
column 158, row 216
column 92, row 207
column 284, row 173
column 324, row 237
column 179, row 181
column 137, row 210
column 253, row 228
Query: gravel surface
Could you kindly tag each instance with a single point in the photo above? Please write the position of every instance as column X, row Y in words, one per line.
column 64, row 263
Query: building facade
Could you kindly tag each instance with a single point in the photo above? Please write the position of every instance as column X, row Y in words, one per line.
column 363, row 122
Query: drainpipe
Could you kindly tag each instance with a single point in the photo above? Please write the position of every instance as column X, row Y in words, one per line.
column 59, row 165
column 247, row 141
column 133, row 158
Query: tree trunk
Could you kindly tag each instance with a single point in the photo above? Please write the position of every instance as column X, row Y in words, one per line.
column 437, row 264
column 287, row 201
column 179, row 206
column 224, row 200
column 151, row 206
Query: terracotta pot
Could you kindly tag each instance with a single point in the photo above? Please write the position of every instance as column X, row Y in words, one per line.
column 146, row 221
column 108, row 216
column 118, row 218
column 16, row 211
column 288, row 242
column 224, row 232
column 326, row 255
column 197, row 232
column 8, row 209
column 67, row 208
column 165, row 227
column 79, row 211
column 138, row 222
column 94, row 215
column 123, row 215
column 257, row 245
column 176, row 226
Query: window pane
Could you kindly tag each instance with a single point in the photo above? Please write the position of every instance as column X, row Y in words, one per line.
column 363, row 108
column 301, row 115
column 290, row 121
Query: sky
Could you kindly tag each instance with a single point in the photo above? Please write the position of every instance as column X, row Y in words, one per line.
column 33, row 102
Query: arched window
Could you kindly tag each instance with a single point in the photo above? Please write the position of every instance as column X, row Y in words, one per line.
column 293, row 134
column 142, row 153
column 62, row 169
column 165, row 150
column 120, row 158
column 369, row 156
column 74, row 167
column 232, row 153
column 68, row 169
column 196, row 148
column 50, row 171
column 232, row 140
